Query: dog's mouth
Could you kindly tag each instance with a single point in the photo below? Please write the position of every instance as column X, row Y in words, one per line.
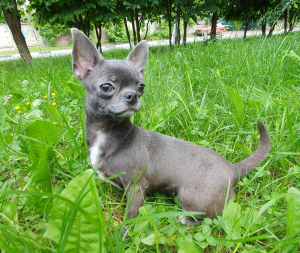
column 126, row 114
column 121, row 110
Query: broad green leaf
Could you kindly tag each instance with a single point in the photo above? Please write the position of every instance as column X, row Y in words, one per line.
column 293, row 212
column 243, row 147
column 165, row 240
column 199, row 237
column 78, row 89
column 144, row 210
column 149, row 240
column 87, row 230
column 9, row 209
column 237, row 101
column 232, row 214
column 206, row 230
column 42, row 175
column 252, row 249
column 187, row 246
column 10, row 240
column 203, row 245
column 43, row 133
column 226, row 225
column 140, row 226
column 211, row 241
column 54, row 115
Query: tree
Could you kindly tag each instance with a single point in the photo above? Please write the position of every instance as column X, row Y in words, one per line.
column 71, row 13
column 262, row 8
column 278, row 9
column 239, row 10
column 167, row 6
column 214, row 9
column 13, row 18
column 85, row 15
column 185, row 10
column 190, row 10
column 102, row 15
column 139, row 12
column 293, row 14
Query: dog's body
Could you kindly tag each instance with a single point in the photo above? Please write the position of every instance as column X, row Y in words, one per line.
column 199, row 176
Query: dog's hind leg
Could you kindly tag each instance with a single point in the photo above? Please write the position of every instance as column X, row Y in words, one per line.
column 199, row 201
column 136, row 196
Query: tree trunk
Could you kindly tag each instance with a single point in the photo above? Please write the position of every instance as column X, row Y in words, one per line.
column 214, row 20
column 285, row 15
column 99, row 35
column 271, row 29
column 127, row 32
column 137, row 25
column 133, row 27
column 170, row 32
column 247, row 10
column 263, row 29
column 147, row 27
column 246, row 19
column 12, row 18
column 177, row 39
column 88, row 24
column 245, row 28
column 169, row 16
column 184, row 32
column 82, row 24
column 291, row 17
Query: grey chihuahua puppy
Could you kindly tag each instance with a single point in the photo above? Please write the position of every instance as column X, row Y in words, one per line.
column 199, row 176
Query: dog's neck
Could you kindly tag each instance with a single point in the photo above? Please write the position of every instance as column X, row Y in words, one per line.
column 117, row 131
column 106, row 123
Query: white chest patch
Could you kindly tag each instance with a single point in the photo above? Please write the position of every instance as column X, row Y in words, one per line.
column 97, row 149
column 95, row 154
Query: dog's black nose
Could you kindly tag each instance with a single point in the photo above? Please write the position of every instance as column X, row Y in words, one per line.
column 131, row 97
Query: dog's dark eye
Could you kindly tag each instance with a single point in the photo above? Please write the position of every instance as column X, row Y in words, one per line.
column 106, row 87
column 141, row 88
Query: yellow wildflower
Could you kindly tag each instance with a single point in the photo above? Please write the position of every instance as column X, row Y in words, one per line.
column 19, row 111
column 45, row 96
column 34, row 120
column 53, row 103
column 53, row 94
column 27, row 103
column 17, row 107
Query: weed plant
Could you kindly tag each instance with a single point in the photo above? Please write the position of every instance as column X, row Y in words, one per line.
column 211, row 94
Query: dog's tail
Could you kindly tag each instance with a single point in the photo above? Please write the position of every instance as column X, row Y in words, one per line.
column 245, row 166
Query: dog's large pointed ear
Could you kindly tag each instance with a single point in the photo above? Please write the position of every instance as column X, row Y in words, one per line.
column 85, row 55
column 139, row 56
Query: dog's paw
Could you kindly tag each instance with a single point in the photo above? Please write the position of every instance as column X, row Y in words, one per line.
column 188, row 221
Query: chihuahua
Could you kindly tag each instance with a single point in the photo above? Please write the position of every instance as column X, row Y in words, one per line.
column 201, row 178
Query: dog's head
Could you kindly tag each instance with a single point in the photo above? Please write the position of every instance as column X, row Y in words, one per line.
column 114, row 87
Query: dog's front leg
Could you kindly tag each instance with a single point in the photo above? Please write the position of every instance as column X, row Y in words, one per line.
column 135, row 194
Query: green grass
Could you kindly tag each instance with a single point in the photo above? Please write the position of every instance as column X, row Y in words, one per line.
column 35, row 49
column 211, row 94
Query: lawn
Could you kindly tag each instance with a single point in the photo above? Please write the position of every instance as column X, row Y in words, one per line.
column 35, row 49
column 211, row 94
